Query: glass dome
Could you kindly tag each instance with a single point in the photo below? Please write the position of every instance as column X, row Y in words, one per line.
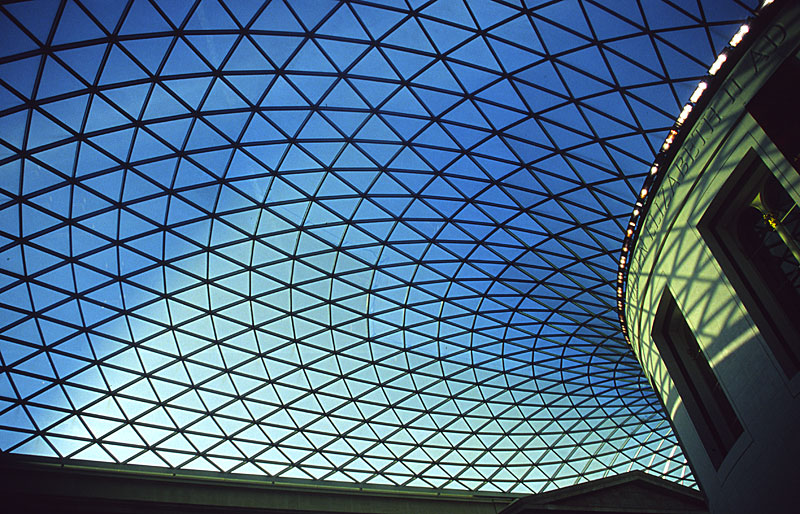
column 366, row 242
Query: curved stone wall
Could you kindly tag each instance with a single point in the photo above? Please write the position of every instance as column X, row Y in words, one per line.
column 758, row 471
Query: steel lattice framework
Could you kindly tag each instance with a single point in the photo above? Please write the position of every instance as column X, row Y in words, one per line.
column 354, row 241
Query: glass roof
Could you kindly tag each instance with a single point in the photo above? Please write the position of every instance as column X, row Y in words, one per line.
column 370, row 242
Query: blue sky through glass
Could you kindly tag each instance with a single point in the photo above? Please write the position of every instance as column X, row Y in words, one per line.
column 352, row 241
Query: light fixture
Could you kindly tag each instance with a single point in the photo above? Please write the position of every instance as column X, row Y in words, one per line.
column 698, row 92
column 737, row 38
column 684, row 114
column 721, row 58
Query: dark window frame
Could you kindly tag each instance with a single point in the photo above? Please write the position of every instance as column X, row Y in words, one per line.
column 706, row 403
column 779, row 328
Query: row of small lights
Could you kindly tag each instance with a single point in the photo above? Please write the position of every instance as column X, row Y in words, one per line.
column 627, row 243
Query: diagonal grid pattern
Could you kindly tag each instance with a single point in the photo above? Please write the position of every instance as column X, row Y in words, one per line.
column 351, row 241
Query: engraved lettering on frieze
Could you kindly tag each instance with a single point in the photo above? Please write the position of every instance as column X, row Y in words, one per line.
column 711, row 119
column 664, row 198
column 658, row 212
column 672, row 186
column 643, row 247
column 690, row 147
column 637, row 257
column 692, row 150
column 732, row 90
column 702, row 138
column 679, row 168
column 658, row 215
column 775, row 35
column 697, row 138
column 636, row 261
column 767, row 47
column 710, row 115
column 758, row 58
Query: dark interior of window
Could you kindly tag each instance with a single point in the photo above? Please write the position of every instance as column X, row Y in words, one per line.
column 776, row 107
column 752, row 228
column 706, row 403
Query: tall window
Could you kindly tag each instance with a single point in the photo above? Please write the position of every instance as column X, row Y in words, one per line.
column 705, row 401
column 753, row 230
